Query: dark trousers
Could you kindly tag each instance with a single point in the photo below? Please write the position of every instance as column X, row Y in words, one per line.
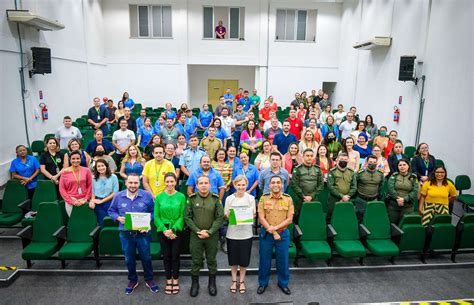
column 267, row 243
column 130, row 243
column 170, row 251
column 101, row 211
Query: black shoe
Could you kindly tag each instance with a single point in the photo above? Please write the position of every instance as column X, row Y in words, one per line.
column 285, row 290
column 195, row 286
column 212, row 285
column 261, row 289
column 224, row 245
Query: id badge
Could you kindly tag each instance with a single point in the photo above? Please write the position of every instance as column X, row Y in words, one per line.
column 331, row 155
column 57, row 170
column 79, row 191
column 157, row 184
column 98, row 117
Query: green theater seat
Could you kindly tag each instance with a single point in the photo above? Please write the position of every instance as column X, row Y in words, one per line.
column 45, row 192
column 15, row 195
column 440, row 236
column 413, row 238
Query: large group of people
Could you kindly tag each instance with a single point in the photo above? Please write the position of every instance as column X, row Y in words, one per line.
column 240, row 154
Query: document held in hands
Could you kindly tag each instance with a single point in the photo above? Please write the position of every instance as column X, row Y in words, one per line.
column 241, row 216
column 137, row 221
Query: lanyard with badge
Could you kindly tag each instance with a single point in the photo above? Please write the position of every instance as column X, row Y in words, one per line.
column 78, row 180
column 427, row 164
column 56, row 161
column 98, row 113
column 157, row 173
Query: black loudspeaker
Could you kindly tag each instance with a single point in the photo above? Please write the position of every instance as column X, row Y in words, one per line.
column 41, row 60
column 407, row 68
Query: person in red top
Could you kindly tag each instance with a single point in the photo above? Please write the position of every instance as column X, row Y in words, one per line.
column 323, row 161
column 264, row 113
column 75, row 185
column 273, row 104
column 296, row 125
column 238, row 96
column 392, row 138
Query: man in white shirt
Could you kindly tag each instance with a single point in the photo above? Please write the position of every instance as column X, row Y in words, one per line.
column 347, row 126
column 67, row 132
column 123, row 138
column 339, row 115
column 228, row 124
column 268, row 124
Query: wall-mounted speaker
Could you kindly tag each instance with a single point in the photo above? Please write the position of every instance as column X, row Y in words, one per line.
column 41, row 60
column 407, row 68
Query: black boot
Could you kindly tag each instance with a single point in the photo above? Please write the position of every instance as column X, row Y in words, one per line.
column 195, row 286
column 212, row 285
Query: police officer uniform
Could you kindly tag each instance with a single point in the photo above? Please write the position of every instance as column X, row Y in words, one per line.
column 276, row 209
column 191, row 159
column 204, row 213
column 369, row 188
column 341, row 182
column 405, row 187
column 306, row 181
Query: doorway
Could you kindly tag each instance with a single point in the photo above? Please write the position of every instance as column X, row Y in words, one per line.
column 329, row 88
column 217, row 87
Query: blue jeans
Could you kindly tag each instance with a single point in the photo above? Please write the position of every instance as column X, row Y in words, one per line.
column 101, row 211
column 267, row 243
column 130, row 243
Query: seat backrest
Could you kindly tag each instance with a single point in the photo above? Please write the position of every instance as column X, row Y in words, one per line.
column 48, row 220
column 15, row 193
column 81, row 223
column 438, row 219
column 37, row 146
column 376, row 220
column 344, row 221
column 45, row 192
column 462, row 182
column 468, row 218
column 410, row 151
column 109, row 222
column 410, row 219
column 312, row 222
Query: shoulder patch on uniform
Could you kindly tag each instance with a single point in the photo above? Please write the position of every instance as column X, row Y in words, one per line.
column 361, row 170
column 214, row 195
column 285, row 194
column 299, row 165
column 187, row 148
column 201, row 149
column 394, row 174
column 266, row 194
column 192, row 195
column 333, row 169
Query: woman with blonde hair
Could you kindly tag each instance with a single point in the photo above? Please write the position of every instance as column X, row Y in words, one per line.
column 308, row 142
column 133, row 162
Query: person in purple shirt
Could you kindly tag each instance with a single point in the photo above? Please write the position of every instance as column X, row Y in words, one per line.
column 205, row 117
column 220, row 30
column 135, row 200
column 246, row 101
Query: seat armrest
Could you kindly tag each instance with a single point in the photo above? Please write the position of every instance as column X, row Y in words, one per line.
column 25, row 205
column 395, row 230
column 61, row 233
column 95, row 232
column 26, row 233
column 297, row 231
column 331, row 231
column 363, row 231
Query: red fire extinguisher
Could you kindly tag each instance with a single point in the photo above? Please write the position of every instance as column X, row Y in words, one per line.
column 44, row 111
column 396, row 114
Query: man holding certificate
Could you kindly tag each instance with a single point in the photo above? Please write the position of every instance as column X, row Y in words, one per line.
column 133, row 209
column 240, row 210
column 275, row 212
column 204, row 215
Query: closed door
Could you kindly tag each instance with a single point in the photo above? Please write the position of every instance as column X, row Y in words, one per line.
column 217, row 88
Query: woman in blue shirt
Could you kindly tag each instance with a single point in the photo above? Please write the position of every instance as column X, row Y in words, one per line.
column 145, row 133
column 132, row 163
column 205, row 117
column 104, row 187
column 26, row 169
column 220, row 132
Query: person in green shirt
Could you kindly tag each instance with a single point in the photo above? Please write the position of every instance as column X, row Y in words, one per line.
column 169, row 221
column 255, row 100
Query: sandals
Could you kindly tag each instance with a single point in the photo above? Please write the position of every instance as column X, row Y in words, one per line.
column 169, row 288
column 242, row 290
column 233, row 290
column 175, row 287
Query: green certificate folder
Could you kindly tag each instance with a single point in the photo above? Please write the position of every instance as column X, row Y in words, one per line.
column 241, row 216
column 137, row 221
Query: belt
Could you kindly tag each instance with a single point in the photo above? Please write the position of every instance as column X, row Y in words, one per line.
column 366, row 197
column 133, row 233
column 281, row 230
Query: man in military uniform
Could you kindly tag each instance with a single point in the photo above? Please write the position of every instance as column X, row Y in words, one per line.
column 369, row 185
column 342, row 183
column 307, row 181
column 204, row 215
column 275, row 213
column 210, row 143
column 402, row 192
column 189, row 160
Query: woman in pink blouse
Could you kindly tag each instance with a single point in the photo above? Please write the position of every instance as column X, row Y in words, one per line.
column 75, row 185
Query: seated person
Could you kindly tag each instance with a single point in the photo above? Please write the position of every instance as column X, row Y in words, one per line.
column 75, row 145
column 334, row 147
column 101, row 153
column 145, row 133
column 395, row 155
column 148, row 151
column 104, row 186
column 292, row 158
column 423, row 163
column 133, row 162
column 323, row 161
column 205, row 117
column 26, row 169
column 99, row 139
column 251, row 138
column 51, row 160
column 363, row 147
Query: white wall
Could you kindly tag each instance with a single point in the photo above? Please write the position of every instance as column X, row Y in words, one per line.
column 443, row 40
column 200, row 74
column 77, row 67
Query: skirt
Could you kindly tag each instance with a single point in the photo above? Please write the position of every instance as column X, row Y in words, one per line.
column 239, row 251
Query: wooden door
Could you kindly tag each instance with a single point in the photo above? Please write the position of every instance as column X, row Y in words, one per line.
column 217, row 88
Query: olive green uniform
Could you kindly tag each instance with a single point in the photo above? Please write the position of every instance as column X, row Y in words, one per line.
column 306, row 181
column 204, row 213
column 340, row 183
column 369, row 188
column 405, row 187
